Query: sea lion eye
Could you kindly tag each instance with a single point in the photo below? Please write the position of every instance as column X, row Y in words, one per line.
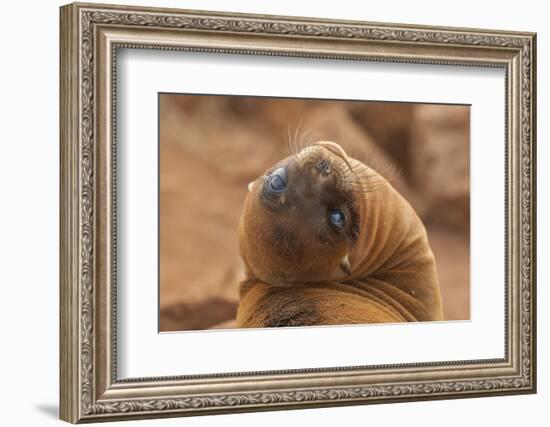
column 336, row 218
column 277, row 181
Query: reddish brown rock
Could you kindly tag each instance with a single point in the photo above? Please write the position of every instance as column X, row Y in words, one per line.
column 440, row 163
column 211, row 147
column 390, row 124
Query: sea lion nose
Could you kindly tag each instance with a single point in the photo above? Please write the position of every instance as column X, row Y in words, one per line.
column 335, row 149
column 324, row 167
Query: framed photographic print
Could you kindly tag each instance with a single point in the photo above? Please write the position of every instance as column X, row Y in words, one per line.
column 266, row 212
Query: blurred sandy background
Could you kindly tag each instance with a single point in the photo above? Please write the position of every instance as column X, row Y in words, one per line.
column 211, row 147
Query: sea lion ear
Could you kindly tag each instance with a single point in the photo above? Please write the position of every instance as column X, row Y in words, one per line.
column 345, row 265
column 250, row 186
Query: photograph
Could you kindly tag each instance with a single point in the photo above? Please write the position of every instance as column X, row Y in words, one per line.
column 261, row 212
column 279, row 212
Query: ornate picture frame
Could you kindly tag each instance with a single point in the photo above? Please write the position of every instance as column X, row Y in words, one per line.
column 90, row 37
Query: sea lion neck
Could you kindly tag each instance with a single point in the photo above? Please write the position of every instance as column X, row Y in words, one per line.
column 385, row 219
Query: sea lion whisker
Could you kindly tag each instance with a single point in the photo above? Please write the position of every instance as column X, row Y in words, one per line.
column 373, row 189
column 289, row 146
column 295, row 143
column 296, row 134
column 390, row 173
column 359, row 175
column 365, row 172
column 366, row 187
column 359, row 167
column 396, row 172
column 304, row 137
column 370, row 181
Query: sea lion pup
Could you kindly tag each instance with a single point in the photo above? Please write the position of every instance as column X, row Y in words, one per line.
column 326, row 240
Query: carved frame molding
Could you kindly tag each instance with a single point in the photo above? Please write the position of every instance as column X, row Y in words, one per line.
column 90, row 37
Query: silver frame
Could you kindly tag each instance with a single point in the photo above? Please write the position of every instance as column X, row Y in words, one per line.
column 90, row 37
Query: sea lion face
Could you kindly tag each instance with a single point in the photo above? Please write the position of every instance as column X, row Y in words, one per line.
column 300, row 219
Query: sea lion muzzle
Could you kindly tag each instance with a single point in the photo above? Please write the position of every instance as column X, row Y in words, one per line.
column 302, row 203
